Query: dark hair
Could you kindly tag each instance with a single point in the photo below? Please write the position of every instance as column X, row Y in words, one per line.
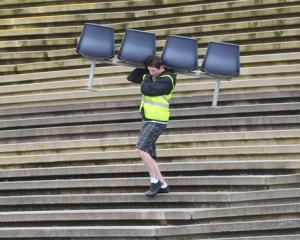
column 154, row 61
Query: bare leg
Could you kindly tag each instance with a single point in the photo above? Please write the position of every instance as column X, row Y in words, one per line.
column 151, row 164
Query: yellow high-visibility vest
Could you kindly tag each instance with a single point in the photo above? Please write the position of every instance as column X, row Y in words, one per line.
column 157, row 108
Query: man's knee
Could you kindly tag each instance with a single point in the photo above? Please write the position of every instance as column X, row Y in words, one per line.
column 140, row 152
column 143, row 154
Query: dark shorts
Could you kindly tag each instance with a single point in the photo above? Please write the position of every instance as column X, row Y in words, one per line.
column 149, row 133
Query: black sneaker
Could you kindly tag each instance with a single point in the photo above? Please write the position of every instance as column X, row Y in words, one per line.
column 153, row 190
column 164, row 190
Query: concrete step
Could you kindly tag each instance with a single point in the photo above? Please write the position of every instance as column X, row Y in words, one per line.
column 260, row 36
column 15, row 3
column 129, row 5
column 232, row 227
column 267, row 152
column 49, row 42
column 153, row 232
column 229, row 124
column 220, row 214
column 147, row 214
column 111, row 71
column 177, row 102
column 125, row 15
column 262, row 237
column 134, row 200
column 107, row 86
column 160, row 24
column 138, row 184
column 113, row 200
column 211, row 28
column 69, row 96
column 218, row 167
column 6, row 4
column 292, row 108
column 108, row 75
column 78, row 6
column 273, row 137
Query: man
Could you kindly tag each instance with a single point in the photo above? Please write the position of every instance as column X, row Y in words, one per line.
column 157, row 86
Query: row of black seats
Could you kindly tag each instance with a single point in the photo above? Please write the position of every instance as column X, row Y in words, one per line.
column 221, row 60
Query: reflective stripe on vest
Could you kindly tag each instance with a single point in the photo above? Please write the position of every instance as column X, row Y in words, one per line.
column 157, row 107
column 166, row 105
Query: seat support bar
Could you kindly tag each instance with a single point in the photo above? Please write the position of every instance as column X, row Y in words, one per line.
column 216, row 93
column 90, row 82
column 114, row 62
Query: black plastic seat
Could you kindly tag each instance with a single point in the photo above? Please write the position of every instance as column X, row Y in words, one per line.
column 136, row 46
column 96, row 42
column 180, row 53
column 222, row 59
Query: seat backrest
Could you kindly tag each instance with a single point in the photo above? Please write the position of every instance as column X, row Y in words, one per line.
column 136, row 46
column 96, row 42
column 222, row 59
column 180, row 53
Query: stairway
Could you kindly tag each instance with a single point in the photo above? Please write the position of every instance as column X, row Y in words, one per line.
column 68, row 166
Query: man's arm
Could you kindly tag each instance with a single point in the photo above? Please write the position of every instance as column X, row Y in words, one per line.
column 136, row 76
column 161, row 86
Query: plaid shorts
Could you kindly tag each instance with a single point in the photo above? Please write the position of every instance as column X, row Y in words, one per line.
column 149, row 133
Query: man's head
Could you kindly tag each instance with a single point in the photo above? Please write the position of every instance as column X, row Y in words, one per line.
column 154, row 65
